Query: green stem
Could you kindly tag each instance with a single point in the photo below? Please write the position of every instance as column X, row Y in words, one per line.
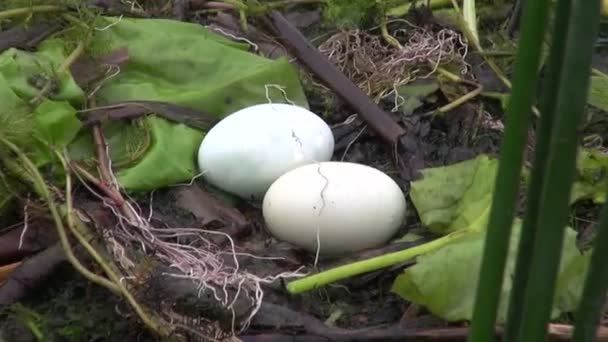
column 78, row 228
column 596, row 285
column 509, row 172
column 402, row 10
column 64, row 67
column 570, row 102
column 63, row 238
column 529, row 228
column 369, row 265
column 29, row 10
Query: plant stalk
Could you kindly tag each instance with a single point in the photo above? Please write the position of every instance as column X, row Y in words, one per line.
column 529, row 226
column 509, row 172
column 554, row 202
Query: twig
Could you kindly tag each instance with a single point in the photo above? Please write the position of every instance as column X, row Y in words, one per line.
column 379, row 120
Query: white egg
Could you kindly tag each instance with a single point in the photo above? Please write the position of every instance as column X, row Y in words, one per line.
column 248, row 150
column 351, row 206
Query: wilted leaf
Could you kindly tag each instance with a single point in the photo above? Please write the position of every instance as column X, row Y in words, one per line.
column 445, row 280
column 457, row 196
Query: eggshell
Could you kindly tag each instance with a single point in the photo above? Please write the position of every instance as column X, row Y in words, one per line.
column 352, row 206
column 249, row 149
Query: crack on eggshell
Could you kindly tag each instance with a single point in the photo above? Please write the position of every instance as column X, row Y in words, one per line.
column 322, row 195
column 297, row 140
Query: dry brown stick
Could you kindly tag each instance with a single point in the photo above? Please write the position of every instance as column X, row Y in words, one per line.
column 378, row 119
column 31, row 273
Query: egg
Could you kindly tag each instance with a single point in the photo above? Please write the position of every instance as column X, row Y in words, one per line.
column 247, row 151
column 351, row 206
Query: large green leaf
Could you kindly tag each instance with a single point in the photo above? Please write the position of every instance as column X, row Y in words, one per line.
column 455, row 200
column 445, row 280
column 452, row 198
column 187, row 65
column 169, row 61
column 27, row 72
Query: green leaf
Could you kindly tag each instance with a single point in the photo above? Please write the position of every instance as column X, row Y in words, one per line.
column 445, row 280
column 413, row 94
column 186, row 64
column 592, row 178
column 26, row 72
column 183, row 64
column 470, row 18
column 457, row 196
column 56, row 123
column 598, row 92
column 170, row 141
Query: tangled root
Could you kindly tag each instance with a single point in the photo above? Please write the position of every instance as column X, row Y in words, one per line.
column 378, row 68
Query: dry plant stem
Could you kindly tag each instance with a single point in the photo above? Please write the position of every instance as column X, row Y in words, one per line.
column 29, row 10
column 387, row 36
column 60, row 70
column 102, row 157
column 459, row 101
column 77, row 227
column 65, row 243
column 117, row 199
column 71, row 225
column 478, row 47
column 106, row 173
column 152, row 324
